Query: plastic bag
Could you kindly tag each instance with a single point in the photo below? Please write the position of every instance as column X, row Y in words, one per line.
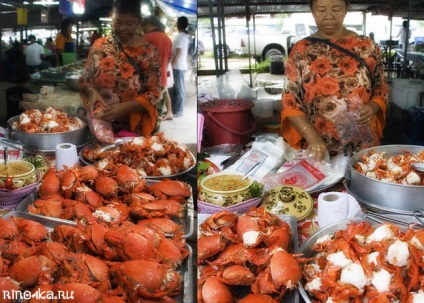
column 232, row 85
column 101, row 130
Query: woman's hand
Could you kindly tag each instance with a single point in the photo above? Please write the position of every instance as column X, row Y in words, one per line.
column 115, row 112
column 316, row 150
column 367, row 113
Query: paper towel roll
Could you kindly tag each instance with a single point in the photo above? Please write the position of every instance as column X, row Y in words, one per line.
column 332, row 207
column 66, row 155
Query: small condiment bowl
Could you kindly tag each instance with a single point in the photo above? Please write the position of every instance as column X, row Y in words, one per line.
column 224, row 197
column 22, row 173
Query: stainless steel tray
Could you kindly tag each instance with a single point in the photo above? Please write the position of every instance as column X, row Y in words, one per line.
column 185, row 270
column 290, row 296
column 306, row 248
column 186, row 219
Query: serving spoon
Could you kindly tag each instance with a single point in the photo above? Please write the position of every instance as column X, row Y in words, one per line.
column 6, row 157
column 418, row 166
column 250, row 171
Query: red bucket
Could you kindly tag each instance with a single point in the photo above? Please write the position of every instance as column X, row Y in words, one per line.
column 228, row 121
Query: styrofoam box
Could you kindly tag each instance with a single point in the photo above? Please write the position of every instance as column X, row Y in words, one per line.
column 406, row 92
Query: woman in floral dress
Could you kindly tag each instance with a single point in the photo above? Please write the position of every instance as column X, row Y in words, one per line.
column 113, row 90
column 332, row 98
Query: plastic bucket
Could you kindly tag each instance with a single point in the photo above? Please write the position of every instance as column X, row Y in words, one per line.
column 228, row 121
column 264, row 108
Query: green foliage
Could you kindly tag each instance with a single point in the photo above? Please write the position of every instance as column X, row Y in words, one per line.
column 256, row 189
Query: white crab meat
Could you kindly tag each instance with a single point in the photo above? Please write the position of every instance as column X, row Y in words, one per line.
column 354, row 274
column 360, row 239
column 413, row 178
column 381, row 233
column 339, row 259
column 363, row 166
column 157, row 147
column 372, row 258
column 102, row 164
column 52, row 124
column 417, row 297
column 416, row 243
column 24, row 119
column 371, row 174
column 381, row 280
column 165, row 170
column 187, row 162
column 323, row 239
column 105, row 216
column 138, row 141
column 398, row 253
column 250, row 238
column 314, row 284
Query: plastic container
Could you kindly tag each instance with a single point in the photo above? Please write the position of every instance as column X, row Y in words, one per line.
column 406, row 92
column 277, row 65
column 228, row 121
column 264, row 108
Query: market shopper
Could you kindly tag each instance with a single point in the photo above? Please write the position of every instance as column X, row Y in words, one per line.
column 64, row 41
column 403, row 33
column 154, row 31
column 180, row 47
column 122, row 73
column 333, row 97
column 35, row 56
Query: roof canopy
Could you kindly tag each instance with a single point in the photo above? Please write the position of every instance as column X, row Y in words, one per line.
column 398, row 8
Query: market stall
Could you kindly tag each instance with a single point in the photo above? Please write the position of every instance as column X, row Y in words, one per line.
column 87, row 216
column 339, row 210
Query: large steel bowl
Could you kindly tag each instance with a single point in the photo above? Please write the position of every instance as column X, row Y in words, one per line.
column 48, row 141
column 385, row 196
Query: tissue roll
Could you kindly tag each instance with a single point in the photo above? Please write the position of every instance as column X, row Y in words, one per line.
column 66, row 155
column 332, row 207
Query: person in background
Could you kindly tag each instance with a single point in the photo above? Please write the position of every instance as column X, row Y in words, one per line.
column 50, row 51
column 34, row 55
column 64, row 41
column 122, row 91
column 154, row 31
column 371, row 35
column 94, row 36
column 179, row 66
column 403, row 41
column 332, row 99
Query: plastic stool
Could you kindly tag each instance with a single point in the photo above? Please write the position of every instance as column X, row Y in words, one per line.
column 413, row 126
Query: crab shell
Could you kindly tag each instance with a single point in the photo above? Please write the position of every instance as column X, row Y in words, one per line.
column 159, row 208
column 173, row 189
column 285, row 270
column 53, row 250
column 16, row 250
column 8, row 230
column 249, row 231
column 49, row 207
column 208, row 246
column 8, row 285
column 50, row 185
column 84, row 268
column 166, row 225
column 213, row 289
column 146, row 279
column 81, row 293
column 127, row 178
column 33, row 270
column 252, row 298
column 88, row 173
column 237, row 275
column 30, row 231
column 106, row 186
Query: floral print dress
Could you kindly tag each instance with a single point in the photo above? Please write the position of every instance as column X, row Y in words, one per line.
column 108, row 70
column 330, row 87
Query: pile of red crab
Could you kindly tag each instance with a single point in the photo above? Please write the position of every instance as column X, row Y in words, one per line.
column 150, row 156
column 367, row 264
column 124, row 248
column 244, row 258
column 395, row 169
column 49, row 121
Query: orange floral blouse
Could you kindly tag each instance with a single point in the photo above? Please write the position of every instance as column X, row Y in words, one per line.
column 329, row 87
column 108, row 70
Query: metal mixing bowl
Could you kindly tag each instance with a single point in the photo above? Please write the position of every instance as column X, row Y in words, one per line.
column 72, row 80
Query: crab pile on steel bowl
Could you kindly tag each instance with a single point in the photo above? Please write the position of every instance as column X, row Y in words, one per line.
column 45, row 129
column 383, row 178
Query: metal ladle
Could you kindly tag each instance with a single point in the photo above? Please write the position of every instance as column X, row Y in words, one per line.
column 6, row 156
column 250, row 171
column 418, row 166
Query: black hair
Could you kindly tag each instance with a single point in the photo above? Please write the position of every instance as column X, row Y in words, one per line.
column 154, row 21
column 30, row 37
column 64, row 26
column 405, row 23
column 182, row 23
column 130, row 7
column 312, row 2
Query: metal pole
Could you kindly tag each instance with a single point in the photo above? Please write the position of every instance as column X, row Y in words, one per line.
column 213, row 35
column 406, row 44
